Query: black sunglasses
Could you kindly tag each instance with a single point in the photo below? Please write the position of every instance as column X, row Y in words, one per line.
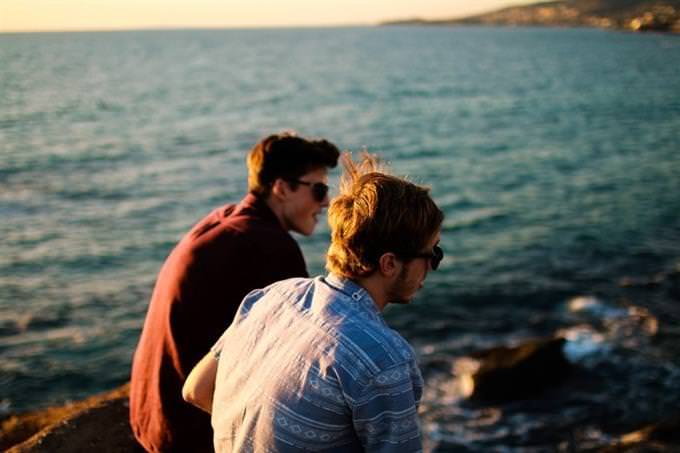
column 319, row 189
column 435, row 256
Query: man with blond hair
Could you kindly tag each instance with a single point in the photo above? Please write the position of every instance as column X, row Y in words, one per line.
column 310, row 364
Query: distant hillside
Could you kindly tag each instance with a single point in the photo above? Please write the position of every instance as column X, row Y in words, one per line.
column 636, row 15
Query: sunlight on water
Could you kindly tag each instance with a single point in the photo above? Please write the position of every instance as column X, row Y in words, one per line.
column 553, row 157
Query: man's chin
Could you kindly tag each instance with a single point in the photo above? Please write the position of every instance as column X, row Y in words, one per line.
column 306, row 231
column 312, row 227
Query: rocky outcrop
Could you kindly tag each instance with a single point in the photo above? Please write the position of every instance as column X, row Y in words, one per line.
column 100, row 423
column 96, row 424
column 634, row 15
column 661, row 436
column 509, row 373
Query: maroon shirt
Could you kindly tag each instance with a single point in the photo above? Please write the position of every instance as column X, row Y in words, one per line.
column 232, row 251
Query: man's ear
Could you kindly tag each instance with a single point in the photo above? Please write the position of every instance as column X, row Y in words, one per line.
column 389, row 265
column 280, row 189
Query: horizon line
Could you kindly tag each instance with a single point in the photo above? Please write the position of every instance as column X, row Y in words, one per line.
column 184, row 27
column 177, row 27
column 188, row 28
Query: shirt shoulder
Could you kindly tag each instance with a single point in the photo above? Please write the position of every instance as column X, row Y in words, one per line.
column 365, row 342
column 374, row 348
column 230, row 231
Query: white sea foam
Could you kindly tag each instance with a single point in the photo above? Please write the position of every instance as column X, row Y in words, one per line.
column 594, row 306
column 582, row 342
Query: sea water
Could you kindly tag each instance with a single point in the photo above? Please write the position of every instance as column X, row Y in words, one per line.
column 554, row 153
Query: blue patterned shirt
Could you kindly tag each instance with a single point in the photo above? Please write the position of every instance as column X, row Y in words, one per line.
column 311, row 365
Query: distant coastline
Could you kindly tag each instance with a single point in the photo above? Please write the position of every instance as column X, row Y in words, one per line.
column 632, row 15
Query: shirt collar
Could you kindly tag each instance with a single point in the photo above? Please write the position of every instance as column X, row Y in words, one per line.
column 255, row 205
column 354, row 291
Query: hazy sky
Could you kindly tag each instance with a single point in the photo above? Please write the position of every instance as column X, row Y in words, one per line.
column 42, row 15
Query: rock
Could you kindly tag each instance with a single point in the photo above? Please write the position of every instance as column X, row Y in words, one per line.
column 98, row 423
column 509, row 373
column 661, row 436
column 668, row 281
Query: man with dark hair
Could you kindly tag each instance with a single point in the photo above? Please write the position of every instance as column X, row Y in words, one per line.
column 310, row 364
column 232, row 251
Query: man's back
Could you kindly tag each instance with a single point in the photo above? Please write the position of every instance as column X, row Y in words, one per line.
column 230, row 252
column 311, row 364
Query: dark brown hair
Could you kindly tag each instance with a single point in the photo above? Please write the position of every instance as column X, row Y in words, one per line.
column 376, row 213
column 286, row 156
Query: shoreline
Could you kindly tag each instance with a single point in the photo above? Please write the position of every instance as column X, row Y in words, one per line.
column 642, row 17
column 100, row 423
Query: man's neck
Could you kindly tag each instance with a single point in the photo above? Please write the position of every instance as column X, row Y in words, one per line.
column 374, row 284
column 277, row 208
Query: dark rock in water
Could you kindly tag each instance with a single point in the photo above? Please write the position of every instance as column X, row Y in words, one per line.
column 509, row 373
column 9, row 328
column 661, row 436
column 668, row 281
column 646, row 283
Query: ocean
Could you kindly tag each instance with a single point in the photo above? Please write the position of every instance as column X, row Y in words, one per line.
column 554, row 153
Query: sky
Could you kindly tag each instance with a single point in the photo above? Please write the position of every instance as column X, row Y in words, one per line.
column 74, row 15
